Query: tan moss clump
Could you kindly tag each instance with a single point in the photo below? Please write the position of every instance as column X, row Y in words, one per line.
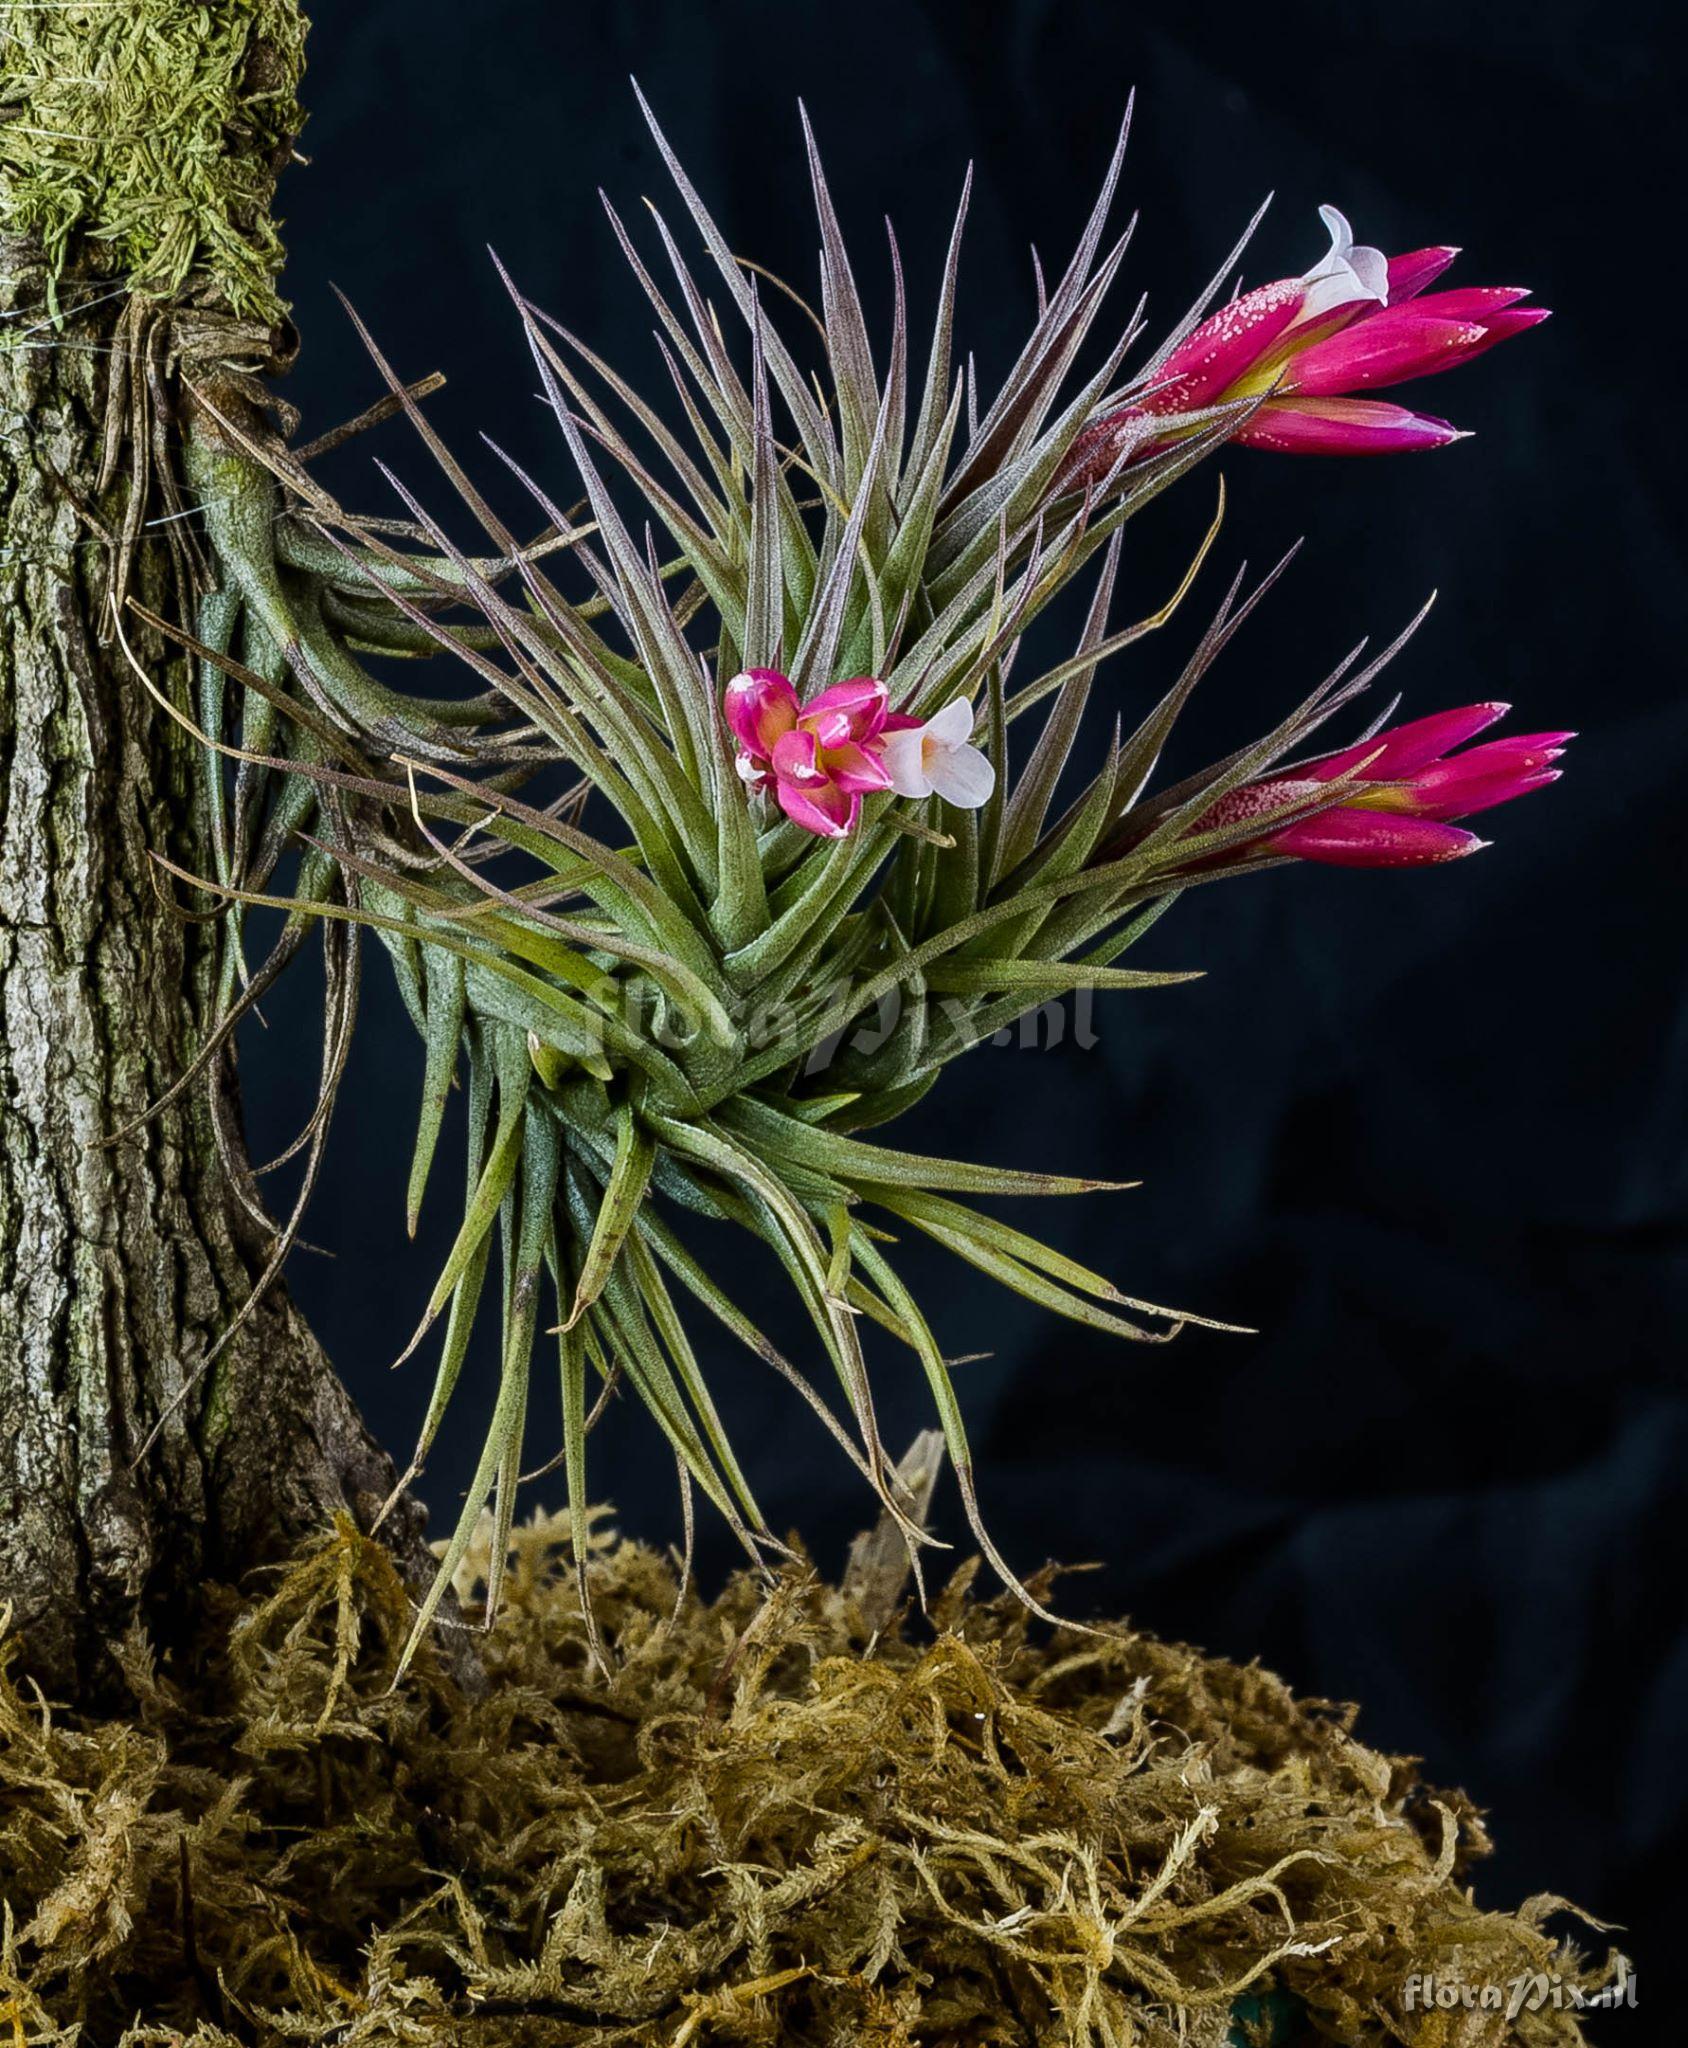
column 764, row 1827
column 148, row 134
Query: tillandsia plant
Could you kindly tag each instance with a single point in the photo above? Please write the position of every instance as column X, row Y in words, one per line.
column 710, row 802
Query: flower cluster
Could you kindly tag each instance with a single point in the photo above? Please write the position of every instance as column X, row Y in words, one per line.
column 1405, row 787
column 1302, row 347
column 819, row 758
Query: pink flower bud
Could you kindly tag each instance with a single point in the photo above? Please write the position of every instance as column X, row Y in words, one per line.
column 1404, row 788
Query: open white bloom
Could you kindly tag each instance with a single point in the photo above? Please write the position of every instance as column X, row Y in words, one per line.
column 935, row 759
column 1348, row 273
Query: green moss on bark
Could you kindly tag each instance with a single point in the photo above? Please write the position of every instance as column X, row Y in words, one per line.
column 142, row 139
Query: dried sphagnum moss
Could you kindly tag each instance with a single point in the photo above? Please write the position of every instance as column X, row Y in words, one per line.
column 763, row 1827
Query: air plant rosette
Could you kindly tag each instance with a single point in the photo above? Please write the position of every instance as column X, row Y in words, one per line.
column 749, row 757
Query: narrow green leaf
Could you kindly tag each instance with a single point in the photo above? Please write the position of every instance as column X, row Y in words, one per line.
column 907, row 1313
column 1029, row 376
column 1040, row 978
column 850, row 355
column 571, row 1357
column 659, row 1306
column 848, row 1160
column 938, row 379
column 443, row 1032
column 1029, row 805
column 503, row 1430
column 696, row 1280
column 982, row 1239
column 466, row 1296
column 811, row 421
column 515, row 1073
column 780, row 1219
column 764, row 605
column 624, row 1195
column 527, row 1244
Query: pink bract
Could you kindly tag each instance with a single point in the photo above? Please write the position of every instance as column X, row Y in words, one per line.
column 1303, row 348
column 1406, row 789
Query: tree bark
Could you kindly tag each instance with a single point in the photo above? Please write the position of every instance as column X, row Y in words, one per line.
column 120, row 1265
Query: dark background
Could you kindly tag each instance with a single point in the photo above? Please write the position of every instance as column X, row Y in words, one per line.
column 1425, row 1130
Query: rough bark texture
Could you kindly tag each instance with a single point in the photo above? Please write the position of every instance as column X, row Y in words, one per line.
column 119, row 1266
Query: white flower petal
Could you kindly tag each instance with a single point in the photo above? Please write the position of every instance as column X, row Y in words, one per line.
column 1371, row 269
column 962, row 776
column 1348, row 273
column 953, row 724
column 1341, row 234
column 905, row 763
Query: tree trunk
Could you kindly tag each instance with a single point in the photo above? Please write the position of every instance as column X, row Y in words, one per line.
column 120, row 1265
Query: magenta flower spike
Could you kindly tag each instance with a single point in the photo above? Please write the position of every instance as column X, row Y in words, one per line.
column 1310, row 350
column 1408, row 788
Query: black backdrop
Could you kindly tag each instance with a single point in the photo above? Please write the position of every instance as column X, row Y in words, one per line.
column 1426, row 1130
